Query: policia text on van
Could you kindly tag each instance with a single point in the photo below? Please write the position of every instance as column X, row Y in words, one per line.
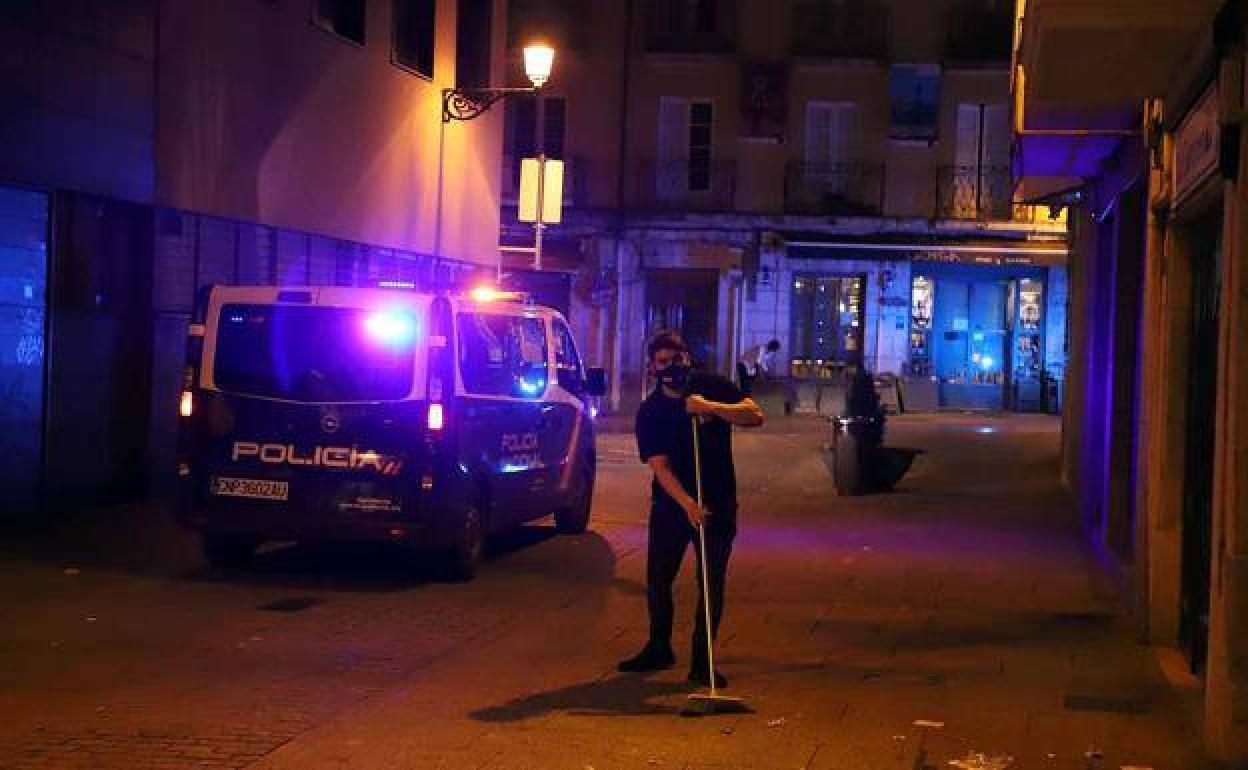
column 426, row 419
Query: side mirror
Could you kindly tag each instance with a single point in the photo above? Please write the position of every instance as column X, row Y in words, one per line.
column 596, row 381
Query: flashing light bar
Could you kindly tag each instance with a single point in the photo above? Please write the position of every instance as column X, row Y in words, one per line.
column 396, row 285
column 491, row 294
column 437, row 418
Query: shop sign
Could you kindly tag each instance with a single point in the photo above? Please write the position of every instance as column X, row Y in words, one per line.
column 1196, row 145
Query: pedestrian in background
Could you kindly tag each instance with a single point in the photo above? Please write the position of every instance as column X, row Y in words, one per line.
column 758, row 361
column 665, row 443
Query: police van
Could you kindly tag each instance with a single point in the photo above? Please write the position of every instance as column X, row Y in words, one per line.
column 427, row 419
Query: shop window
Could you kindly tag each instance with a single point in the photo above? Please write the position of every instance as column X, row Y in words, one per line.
column 827, row 327
column 414, row 24
column 921, row 297
column 344, row 18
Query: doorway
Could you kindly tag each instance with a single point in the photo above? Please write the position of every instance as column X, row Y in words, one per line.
column 686, row 301
column 1197, row 541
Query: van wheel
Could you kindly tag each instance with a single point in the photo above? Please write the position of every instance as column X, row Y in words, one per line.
column 574, row 519
column 463, row 561
column 228, row 550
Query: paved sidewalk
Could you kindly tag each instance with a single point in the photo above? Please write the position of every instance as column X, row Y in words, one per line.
column 967, row 598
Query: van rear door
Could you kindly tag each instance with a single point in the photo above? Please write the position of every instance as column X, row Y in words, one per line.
column 311, row 408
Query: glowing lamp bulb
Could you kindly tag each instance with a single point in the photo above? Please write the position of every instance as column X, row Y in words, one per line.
column 437, row 418
column 484, row 294
column 391, row 328
column 539, row 59
column 986, row 362
column 186, row 406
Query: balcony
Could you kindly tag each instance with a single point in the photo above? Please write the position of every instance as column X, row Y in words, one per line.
column 683, row 27
column 834, row 189
column 844, row 29
column 573, row 181
column 974, row 192
column 979, row 33
column 681, row 185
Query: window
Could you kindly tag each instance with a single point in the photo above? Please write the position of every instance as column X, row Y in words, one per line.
column 414, row 22
column 297, row 353
column 690, row 26
column 502, row 355
column 521, row 126
column 684, row 162
column 474, row 29
column 567, row 362
column 345, row 18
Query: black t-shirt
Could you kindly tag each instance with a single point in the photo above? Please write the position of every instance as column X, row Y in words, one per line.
column 664, row 428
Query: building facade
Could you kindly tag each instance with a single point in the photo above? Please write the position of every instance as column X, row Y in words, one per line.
column 155, row 148
column 831, row 174
column 1151, row 157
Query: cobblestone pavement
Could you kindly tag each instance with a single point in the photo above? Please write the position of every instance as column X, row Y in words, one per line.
column 965, row 598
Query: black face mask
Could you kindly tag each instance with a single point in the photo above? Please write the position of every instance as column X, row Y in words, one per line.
column 675, row 375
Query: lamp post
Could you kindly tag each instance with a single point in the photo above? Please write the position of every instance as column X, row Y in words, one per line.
column 471, row 103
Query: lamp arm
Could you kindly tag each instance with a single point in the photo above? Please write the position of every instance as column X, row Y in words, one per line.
column 471, row 103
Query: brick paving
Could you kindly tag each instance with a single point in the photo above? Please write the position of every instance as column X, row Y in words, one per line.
column 966, row 597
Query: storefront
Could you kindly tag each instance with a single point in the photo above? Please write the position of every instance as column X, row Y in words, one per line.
column 979, row 331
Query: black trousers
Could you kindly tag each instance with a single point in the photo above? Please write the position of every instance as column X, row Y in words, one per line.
column 670, row 534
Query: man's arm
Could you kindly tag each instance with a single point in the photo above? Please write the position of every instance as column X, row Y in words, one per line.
column 745, row 413
column 663, row 474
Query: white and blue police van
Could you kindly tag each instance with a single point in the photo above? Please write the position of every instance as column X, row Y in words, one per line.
column 428, row 419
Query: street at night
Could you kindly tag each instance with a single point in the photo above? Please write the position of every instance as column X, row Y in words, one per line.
column 848, row 619
column 615, row 384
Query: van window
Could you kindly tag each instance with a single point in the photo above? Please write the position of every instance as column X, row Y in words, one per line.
column 567, row 362
column 502, row 355
column 315, row 354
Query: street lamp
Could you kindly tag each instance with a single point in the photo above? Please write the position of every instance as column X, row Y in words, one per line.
column 470, row 103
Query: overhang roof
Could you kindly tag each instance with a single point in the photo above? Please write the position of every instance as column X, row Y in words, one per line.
column 1085, row 68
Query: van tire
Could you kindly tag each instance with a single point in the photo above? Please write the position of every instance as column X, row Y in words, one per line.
column 228, row 550
column 574, row 519
column 463, row 560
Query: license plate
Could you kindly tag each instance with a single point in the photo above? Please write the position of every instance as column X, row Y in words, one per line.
column 255, row 488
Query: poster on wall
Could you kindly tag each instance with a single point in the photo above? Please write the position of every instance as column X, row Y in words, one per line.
column 763, row 108
column 914, row 102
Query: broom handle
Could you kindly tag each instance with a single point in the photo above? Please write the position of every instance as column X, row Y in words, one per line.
column 706, row 590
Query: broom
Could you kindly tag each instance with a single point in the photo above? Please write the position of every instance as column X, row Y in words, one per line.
column 706, row 704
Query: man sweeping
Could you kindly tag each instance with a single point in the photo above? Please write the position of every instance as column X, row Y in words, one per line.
column 665, row 441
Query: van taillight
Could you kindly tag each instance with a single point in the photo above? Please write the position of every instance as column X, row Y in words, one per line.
column 186, row 406
column 437, row 420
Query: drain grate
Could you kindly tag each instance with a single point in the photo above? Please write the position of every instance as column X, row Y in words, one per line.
column 291, row 604
column 1113, row 704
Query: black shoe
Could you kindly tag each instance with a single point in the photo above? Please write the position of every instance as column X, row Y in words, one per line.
column 651, row 658
column 697, row 675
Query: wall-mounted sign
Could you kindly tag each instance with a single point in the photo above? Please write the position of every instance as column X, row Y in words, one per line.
column 1196, row 145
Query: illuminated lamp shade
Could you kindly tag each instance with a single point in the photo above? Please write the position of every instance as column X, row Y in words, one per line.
column 539, row 59
column 391, row 328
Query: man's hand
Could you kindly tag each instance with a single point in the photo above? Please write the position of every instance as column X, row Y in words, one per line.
column 695, row 514
column 696, row 404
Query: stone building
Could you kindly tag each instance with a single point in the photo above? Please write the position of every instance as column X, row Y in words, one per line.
column 832, row 174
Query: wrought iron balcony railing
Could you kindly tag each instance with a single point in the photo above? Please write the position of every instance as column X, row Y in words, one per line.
column 974, row 192
column 840, row 29
column 691, row 185
column 844, row 189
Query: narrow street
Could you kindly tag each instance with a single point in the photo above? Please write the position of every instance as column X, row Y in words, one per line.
column 977, row 605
